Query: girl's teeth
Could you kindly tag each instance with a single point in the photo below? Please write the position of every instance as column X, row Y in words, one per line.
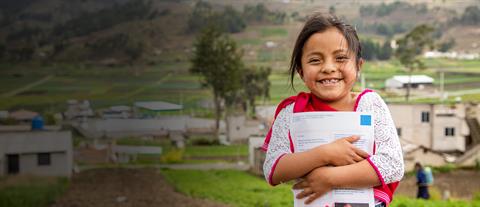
column 329, row 81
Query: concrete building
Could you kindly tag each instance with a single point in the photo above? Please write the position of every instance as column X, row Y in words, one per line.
column 23, row 116
column 78, row 110
column 415, row 153
column 437, row 127
column 240, row 129
column 117, row 112
column 46, row 153
column 256, row 156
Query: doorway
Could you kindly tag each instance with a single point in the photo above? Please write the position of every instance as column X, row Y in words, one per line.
column 13, row 164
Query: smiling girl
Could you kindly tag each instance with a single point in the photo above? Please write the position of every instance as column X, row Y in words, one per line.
column 327, row 57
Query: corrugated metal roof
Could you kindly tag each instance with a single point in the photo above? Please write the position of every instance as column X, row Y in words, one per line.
column 415, row 78
column 158, row 105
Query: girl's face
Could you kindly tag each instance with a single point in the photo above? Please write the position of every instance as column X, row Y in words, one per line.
column 328, row 68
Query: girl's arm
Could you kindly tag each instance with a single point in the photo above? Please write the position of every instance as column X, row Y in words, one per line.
column 386, row 165
column 338, row 153
column 324, row 179
column 282, row 165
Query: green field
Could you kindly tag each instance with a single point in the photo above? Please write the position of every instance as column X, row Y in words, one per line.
column 191, row 153
column 243, row 189
column 32, row 191
column 106, row 86
column 234, row 187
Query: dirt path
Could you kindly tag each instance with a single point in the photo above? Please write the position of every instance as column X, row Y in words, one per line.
column 27, row 87
column 461, row 184
column 125, row 188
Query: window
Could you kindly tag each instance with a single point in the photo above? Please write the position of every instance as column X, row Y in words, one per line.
column 43, row 159
column 450, row 131
column 399, row 131
column 425, row 116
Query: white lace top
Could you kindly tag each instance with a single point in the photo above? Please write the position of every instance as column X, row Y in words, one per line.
column 387, row 160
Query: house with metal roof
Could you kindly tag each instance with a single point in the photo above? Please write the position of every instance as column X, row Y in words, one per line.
column 401, row 81
column 147, row 109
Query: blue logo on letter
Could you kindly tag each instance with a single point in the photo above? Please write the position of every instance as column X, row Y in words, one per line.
column 365, row 120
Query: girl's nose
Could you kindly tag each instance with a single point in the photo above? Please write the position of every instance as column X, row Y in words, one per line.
column 329, row 68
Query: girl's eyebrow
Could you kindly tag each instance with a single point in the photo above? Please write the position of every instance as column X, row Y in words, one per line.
column 315, row 53
column 339, row 51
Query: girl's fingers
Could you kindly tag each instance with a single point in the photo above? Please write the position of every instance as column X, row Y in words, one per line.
column 360, row 152
column 306, row 192
column 352, row 138
column 312, row 198
column 357, row 158
column 300, row 185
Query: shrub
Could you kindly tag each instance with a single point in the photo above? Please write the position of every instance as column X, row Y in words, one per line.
column 204, row 141
column 172, row 156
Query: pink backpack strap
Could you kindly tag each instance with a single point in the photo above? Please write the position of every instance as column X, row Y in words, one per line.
column 360, row 97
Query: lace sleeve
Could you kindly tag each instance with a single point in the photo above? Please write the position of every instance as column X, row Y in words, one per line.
column 279, row 142
column 388, row 157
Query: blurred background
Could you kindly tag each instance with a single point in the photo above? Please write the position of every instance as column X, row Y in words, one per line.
column 166, row 103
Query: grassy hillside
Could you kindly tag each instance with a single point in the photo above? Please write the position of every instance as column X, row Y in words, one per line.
column 87, row 53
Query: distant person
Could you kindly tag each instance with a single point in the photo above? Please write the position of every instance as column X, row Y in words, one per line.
column 327, row 57
column 422, row 182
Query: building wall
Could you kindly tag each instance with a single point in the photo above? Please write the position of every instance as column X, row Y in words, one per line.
column 431, row 134
column 28, row 144
column 240, row 129
column 57, row 167
column 424, row 158
column 256, row 156
column 392, row 83
column 448, row 143
column 408, row 117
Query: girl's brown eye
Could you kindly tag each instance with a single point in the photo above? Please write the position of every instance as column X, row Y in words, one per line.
column 342, row 58
column 314, row 61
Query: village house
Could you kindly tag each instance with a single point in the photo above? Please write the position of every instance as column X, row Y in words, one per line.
column 151, row 109
column 437, row 127
column 401, row 81
column 46, row 153
column 23, row 116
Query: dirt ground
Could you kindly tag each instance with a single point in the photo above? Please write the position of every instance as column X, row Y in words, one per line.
column 460, row 184
column 124, row 188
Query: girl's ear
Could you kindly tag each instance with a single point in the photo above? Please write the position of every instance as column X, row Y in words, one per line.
column 360, row 64
column 300, row 73
column 359, row 68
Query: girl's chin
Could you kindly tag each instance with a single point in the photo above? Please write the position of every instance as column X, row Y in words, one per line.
column 329, row 97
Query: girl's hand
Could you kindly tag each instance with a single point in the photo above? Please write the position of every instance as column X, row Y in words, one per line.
column 315, row 184
column 343, row 152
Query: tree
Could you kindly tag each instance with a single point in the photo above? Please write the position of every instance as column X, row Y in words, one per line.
column 471, row 16
column 446, row 46
column 218, row 61
column 369, row 49
column 134, row 49
column 410, row 47
column 331, row 9
column 256, row 83
column 385, row 52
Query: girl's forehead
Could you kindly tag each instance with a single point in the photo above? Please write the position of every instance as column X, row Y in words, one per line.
column 330, row 40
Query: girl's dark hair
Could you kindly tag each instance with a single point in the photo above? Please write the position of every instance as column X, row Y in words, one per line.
column 319, row 23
